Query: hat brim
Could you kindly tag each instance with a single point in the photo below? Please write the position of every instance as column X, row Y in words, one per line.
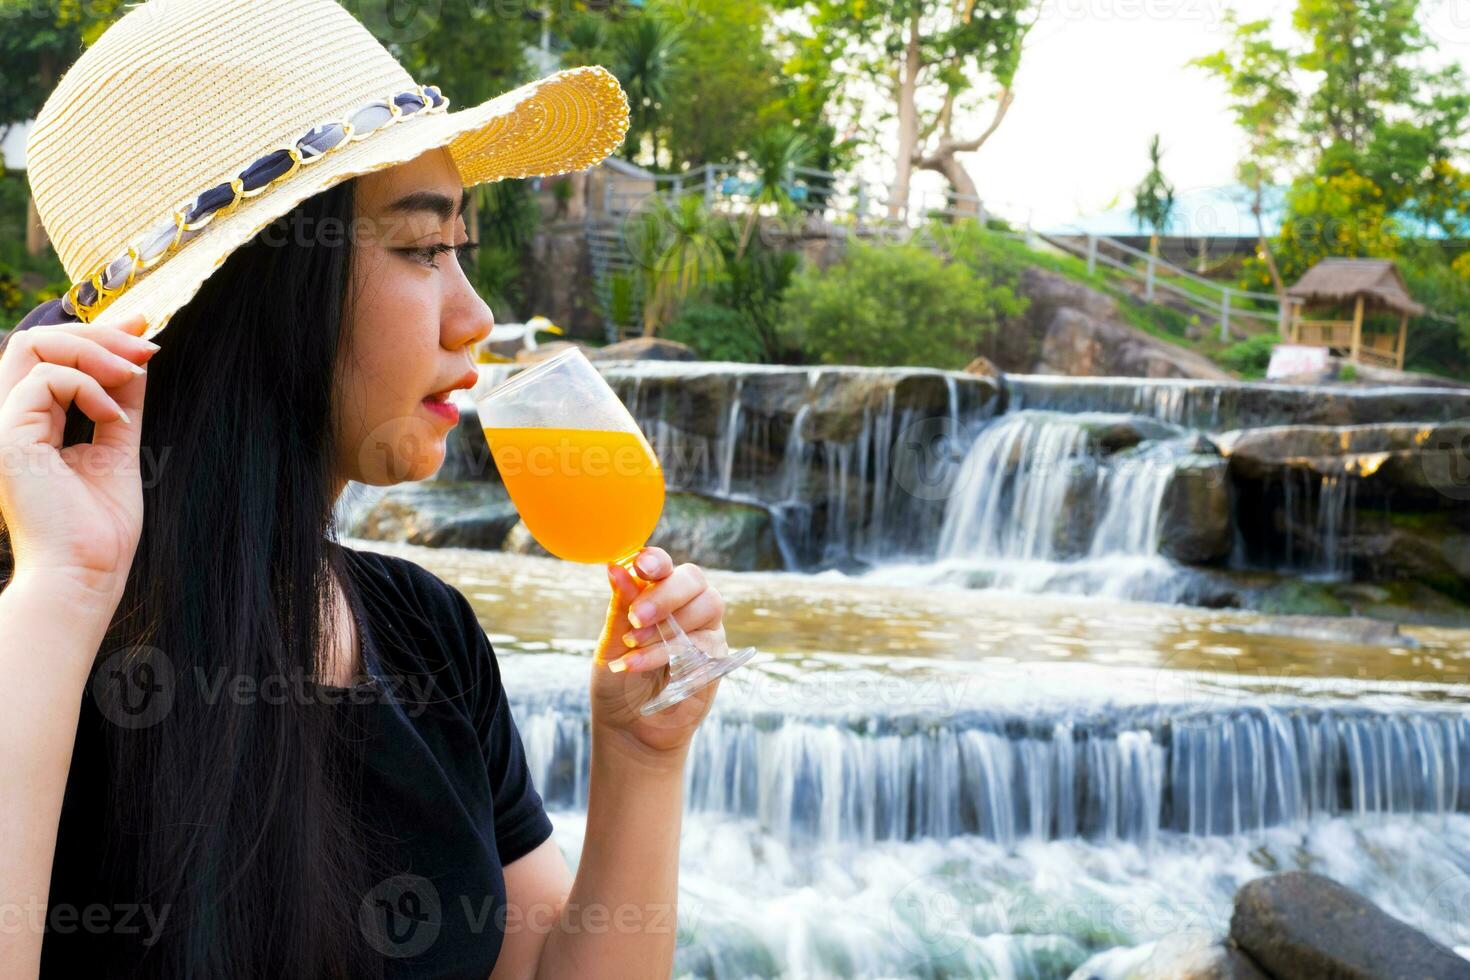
column 567, row 121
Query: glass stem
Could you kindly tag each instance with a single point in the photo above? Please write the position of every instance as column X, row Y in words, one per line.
column 684, row 654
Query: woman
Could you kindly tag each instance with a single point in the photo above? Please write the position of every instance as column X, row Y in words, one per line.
column 236, row 748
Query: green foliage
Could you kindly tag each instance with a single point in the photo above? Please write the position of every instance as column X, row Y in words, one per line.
column 1153, row 198
column 676, row 253
column 727, row 79
column 717, row 333
column 1348, row 372
column 893, row 304
column 645, row 51
column 1250, row 357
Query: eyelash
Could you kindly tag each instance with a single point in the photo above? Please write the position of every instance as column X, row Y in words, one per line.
column 430, row 253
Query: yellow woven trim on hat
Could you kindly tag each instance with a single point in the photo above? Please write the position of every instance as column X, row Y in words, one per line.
column 97, row 290
column 571, row 125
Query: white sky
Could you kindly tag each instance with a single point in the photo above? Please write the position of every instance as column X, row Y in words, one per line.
column 1100, row 77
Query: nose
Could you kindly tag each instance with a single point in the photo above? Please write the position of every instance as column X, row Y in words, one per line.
column 467, row 322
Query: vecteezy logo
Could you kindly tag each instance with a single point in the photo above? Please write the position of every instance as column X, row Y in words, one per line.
column 401, row 915
column 397, row 21
column 931, row 915
column 927, row 457
column 1445, row 457
column 134, row 687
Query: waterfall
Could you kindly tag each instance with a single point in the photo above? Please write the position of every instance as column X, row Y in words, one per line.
column 1037, row 505
column 1010, row 498
column 1124, row 776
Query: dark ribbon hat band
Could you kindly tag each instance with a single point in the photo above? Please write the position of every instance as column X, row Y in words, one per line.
column 85, row 299
column 46, row 314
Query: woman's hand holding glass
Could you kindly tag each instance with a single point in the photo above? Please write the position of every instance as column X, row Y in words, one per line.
column 629, row 658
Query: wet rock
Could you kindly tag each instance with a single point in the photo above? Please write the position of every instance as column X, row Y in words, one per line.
column 1419, row 462
column 1125, row 432
column 983, row 367
column 441, row 515
column 1302, row 925
column 644, row 349
column 1195, row 515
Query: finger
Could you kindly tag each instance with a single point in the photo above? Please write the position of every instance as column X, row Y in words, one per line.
column 652, row 656
column 29, row 414
column 124, row 433
column 653, row 564
column 703, row 611
column 104, row 352
column 686, row 582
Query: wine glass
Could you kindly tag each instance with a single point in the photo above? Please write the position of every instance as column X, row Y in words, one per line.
column 588, row 485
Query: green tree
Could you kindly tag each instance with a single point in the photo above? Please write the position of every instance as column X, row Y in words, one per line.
column 893, row 304
column 1153, row 198
column 933, row 61
column 1258, row 76
column 645, row 51
column 728, row 86
column 677, row 254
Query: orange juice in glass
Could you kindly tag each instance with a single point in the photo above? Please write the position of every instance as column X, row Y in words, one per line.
column 588, row 485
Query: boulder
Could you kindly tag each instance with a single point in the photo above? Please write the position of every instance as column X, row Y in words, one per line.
column 1302, row 925
column 441, row 515
column 1422, row 462
column 1195, row 515
column 1073, row 329
column 644, row 349
column 983, row 367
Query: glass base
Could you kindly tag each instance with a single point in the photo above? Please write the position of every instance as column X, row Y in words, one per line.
column 684, row 685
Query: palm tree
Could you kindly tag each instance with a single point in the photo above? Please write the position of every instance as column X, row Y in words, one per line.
column 774, row 153
column 676, row 249
column 645, row 50
column 1154, row 199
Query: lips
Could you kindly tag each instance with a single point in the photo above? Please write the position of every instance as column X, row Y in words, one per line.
column 467, row 380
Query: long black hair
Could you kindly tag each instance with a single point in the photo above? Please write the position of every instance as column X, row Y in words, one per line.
column 232, row 811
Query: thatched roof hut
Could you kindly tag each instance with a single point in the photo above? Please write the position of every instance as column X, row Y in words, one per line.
column 1344, row 280
column 1365, row 285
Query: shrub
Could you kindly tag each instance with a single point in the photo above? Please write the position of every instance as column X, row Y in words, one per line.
column 716, row 333
column 1249, row 357
column 893, row 305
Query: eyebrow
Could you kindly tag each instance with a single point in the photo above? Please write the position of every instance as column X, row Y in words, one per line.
column 432, row 201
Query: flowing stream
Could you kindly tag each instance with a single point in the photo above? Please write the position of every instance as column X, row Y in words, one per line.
column 941, row 782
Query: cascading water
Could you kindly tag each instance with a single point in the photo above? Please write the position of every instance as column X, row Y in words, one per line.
column 1037, row 505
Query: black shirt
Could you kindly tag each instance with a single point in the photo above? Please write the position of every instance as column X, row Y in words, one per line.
column 445, row 782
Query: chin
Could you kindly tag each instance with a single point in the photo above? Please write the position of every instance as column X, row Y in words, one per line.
column 402, row 450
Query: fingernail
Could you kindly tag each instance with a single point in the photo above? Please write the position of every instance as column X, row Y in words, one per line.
column 645, row 564
column 623, row 663
column 125, row 419
column 630, row 639
column 150, row 346
column 136, row 369
column 640, row 614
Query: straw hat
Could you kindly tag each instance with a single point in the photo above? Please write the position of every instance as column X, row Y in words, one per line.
column 190, row 125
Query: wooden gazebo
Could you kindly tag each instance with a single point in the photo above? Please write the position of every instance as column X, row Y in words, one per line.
column 1367, row 286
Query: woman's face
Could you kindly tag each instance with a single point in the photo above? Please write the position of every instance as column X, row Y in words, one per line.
column 413, row 319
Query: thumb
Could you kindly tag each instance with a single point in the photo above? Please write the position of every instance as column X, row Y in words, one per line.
column 625, row 590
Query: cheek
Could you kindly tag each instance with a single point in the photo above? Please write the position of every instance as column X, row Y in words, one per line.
column 385, row 437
